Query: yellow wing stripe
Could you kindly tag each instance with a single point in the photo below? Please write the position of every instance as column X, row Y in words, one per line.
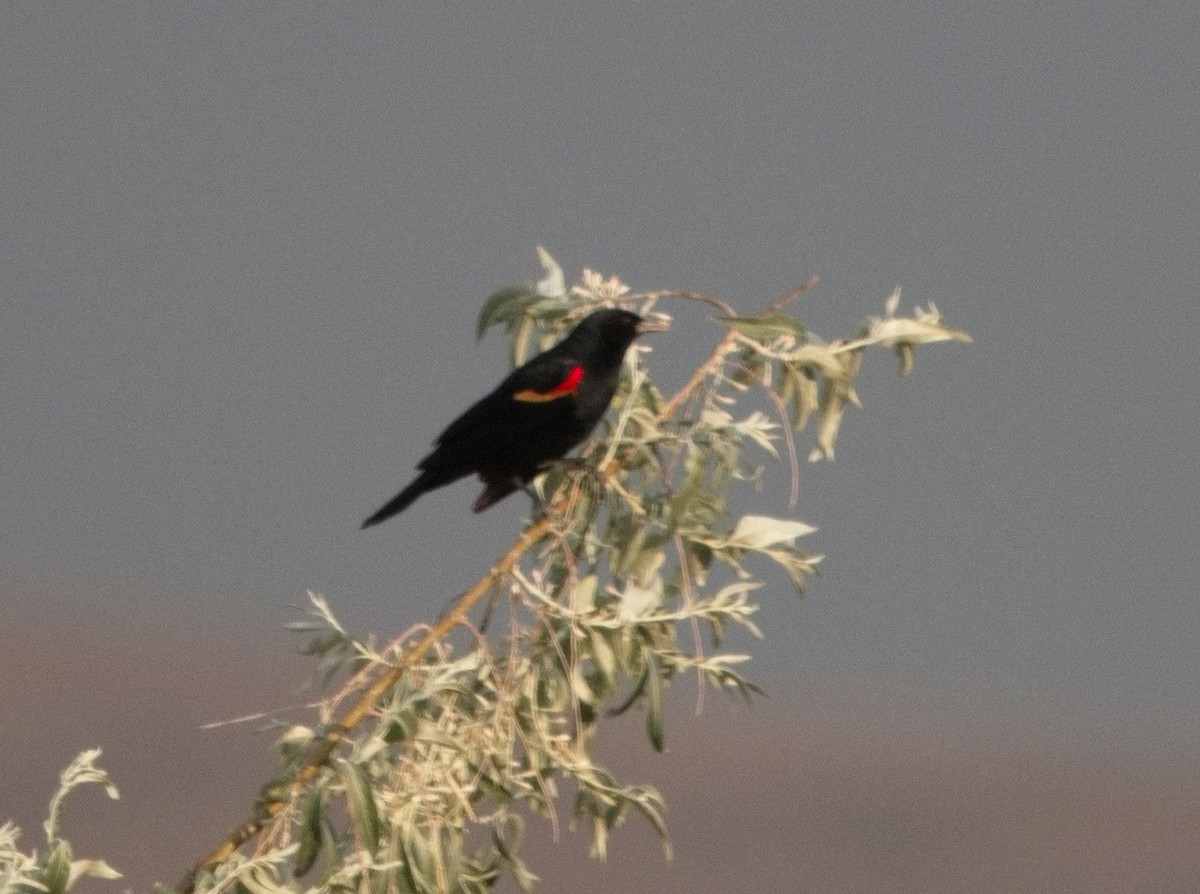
column 562, row 389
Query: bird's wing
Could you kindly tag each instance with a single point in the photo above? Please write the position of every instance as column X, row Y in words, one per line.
column 542, row 381
column 546, row 380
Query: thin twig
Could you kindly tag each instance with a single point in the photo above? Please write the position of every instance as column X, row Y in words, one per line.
column 726, row 344
column 789, row 441
column 684, row 294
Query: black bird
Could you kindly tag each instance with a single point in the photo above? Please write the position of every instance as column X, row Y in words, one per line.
column 542, row 410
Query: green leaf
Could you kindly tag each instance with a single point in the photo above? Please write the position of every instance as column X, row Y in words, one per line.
column 654, row 707
column 579, row 685
column 56, row 876
column 420, row 864
column 758, row 532
column 638, row 601
column 635, row 694
column 585, row 594
column 758, row 428
column 551, row 285
column 603, row 656
column 520, row 344
column 799, row 388
column 836, row 393
column 362, row 804
column 92, row 869
column 699, row 555
column 923, row 327
column 651, row 805
column 797, row 565
column 505, row 306
column 309, row 833
column 766, row 327
column 400, row 728
column 506, row 838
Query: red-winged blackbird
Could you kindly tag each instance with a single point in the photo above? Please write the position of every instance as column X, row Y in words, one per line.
column 533, row 418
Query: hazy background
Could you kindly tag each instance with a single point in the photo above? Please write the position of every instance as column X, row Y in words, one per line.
column 243, row 250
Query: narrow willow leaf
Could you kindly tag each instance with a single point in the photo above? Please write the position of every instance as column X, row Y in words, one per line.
column 751, row 368
column 57, row 874
column 651, row 805
column 262, row 877
column 599, row 848
column 504, row 306
column 736, row 595
column 309, row 832
column 690, row 491
column 924, row 328
column 400, row 728
column 646, row 570
column 92, row 869
column 506, row 838
column 758, row 428
column 420, row 862
column 760, row 531
column 626, row 534
column 604, row 657
column 408, row 871
column 699, row 557
column 376, row 880
column 835, row 394
column 800, row 390
column 638, row 601
column 584, row 594
column 615, row 815
column 892, row 302
column 552, row 284
column 635, row 694
column 797, row 565
column 520, row 343
column 580, row 687
column 362, row 804
column 654, row 708
column 766, row 327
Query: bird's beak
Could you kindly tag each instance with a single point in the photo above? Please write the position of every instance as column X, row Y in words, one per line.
column 654, row 324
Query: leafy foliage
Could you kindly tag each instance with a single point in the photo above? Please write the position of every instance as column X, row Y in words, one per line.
column 635, row 574
column 58, row 870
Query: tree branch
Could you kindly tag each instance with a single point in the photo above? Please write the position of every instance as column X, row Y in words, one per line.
column 323, row 748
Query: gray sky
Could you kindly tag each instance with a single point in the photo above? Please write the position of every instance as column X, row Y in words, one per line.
column 245, row 246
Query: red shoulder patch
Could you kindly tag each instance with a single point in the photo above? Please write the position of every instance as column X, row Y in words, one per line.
column 562, row 389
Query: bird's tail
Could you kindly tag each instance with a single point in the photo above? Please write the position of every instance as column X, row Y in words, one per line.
column 426, row 481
